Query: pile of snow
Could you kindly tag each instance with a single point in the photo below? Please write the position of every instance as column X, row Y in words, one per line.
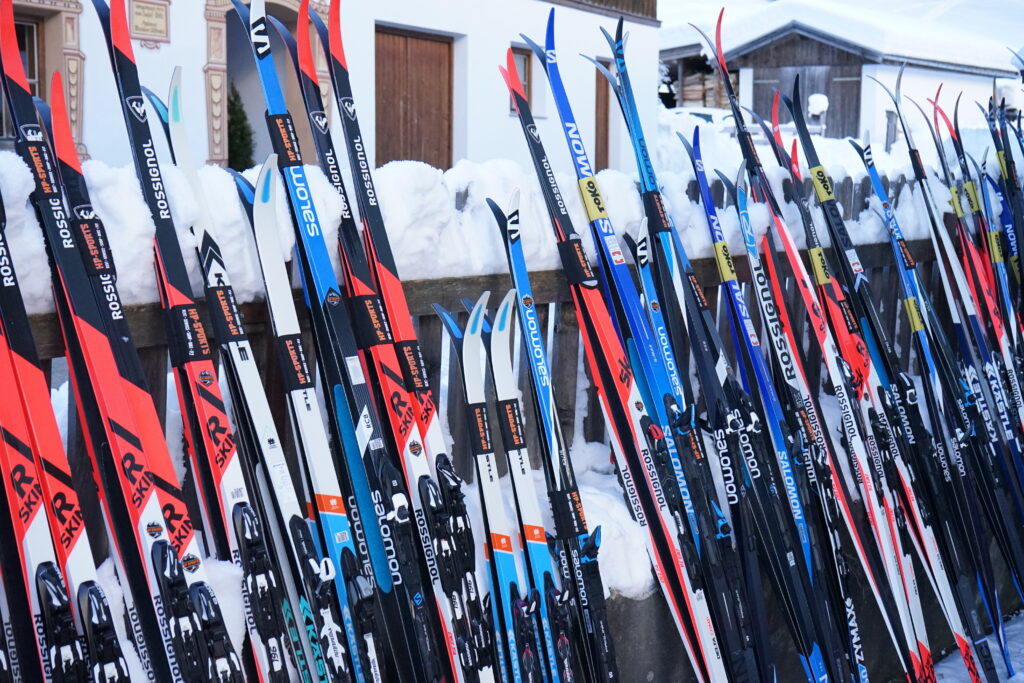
column 817, row 104
column 951, row 669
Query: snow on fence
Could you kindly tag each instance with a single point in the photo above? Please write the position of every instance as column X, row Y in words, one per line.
column 557, row 318
column 642, row 626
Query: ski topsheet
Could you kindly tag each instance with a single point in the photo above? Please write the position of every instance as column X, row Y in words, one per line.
column 175, row 617
column 575, row 545
column 312, row 585
column 425, row 494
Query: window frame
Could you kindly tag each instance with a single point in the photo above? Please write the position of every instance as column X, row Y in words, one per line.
column 35, row 80
column 525, row 75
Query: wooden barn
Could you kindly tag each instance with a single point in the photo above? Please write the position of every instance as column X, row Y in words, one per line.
column 835, row 51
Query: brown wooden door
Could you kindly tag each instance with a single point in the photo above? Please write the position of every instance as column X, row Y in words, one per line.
column 414, row 97
column 841, row 83
column 601, row 102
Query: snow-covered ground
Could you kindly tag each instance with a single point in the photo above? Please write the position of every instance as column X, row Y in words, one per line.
column 951, row 669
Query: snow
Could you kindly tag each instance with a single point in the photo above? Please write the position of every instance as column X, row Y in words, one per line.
column 817, row 104
column 951, row 669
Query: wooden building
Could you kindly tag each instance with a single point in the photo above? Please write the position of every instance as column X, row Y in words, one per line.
column 832, row 57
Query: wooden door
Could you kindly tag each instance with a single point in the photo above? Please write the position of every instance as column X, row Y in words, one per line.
column 601, row 132
column 841, row 83
column 414, row 97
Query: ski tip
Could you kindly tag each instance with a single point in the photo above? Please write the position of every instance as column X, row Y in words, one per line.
column 549, row 33
column 498, row 212
column 513, row 205
column 719, row 53
column 503, row 318
column 618, row 29
column 173, row 98
column 511, row 74
column 305, row 49
column 478, row 315
column 119, row 34
column 337, row 48
column 63, row 143
column 265, row 185
column 539, row 52
column 10, row 55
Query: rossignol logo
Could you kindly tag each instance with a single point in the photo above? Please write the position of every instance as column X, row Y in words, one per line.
column 30, row 494
column 84, row 212
column 7, row 278
column 30, row 132
column 190, row 563
column 320, row 120
column 770, row 317
column 532, row 130
column 206, row 378
column 364, row 171
column 137, row 106
column 348, row 105
column 155, row 529
column 415, row 447
column 258, row 36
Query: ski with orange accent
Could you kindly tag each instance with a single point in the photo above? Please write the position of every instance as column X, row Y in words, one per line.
column 638, row 443
column 372, row 326
column 174, row 615
column 377, row 246
column 47, row 465
column 515, row 640
column 405, row 355
column 575, row 545
column 314, row 583
column 45, row 635
column 429, row 512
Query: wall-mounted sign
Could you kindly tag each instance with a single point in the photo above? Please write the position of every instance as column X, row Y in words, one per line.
column 150, row 21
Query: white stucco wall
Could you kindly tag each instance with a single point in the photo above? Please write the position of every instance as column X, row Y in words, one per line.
column 483, row 128
column 102, row 126
column 919, row 84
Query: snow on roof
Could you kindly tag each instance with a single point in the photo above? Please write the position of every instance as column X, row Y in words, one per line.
column 947, row 35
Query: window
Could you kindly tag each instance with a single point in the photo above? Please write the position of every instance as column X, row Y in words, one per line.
column 27, row 31
column 524, row 64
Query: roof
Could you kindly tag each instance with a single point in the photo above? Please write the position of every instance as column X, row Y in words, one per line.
column 918, row 32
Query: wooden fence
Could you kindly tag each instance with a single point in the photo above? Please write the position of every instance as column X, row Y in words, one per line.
column 557, row 317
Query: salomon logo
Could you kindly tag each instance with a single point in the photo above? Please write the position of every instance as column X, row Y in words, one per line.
column 532, row 130
column 319, row 120
column 85, row 212
column 137, row 106
column 551, row 56
column 642, row 251
column 513, row 234
column 258, row 36
column 32, row 133
column 349, row 106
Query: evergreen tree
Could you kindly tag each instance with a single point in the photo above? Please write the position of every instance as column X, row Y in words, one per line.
column 240, row 146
